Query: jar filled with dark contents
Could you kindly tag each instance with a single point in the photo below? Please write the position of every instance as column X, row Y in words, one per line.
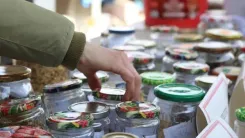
column 100, row 113
column 26, row 111
column 110, row 97
column 189, row 37
column 178, row 103
column 187, row 72
column 140, row 119
column 15, row 80
column 58, row 97
column 70, row 125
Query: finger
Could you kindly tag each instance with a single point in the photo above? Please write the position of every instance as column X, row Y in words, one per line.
column 93, row 81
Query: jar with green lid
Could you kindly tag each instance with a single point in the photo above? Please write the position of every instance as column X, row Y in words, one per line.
column 58, row 97
column 149, row 45
column 110, row 97
column 178, row 104
column 152, row 79
column 187, row 72
column 239, row 124
column 99, row 111
column 174, row 55
column 138, row 118
column 70, row 125
column 119, row 135
column 15, row 80
column 26, row 111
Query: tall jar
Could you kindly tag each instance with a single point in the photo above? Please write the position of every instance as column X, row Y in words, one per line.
column 187, row 72
column 174, row 55
column 140, row 119
column 110, row 97
column 100, row 113
column 15, row 80
column 58, row 97
column 70, row 125
column 178, row 103
column 239, row 125
column 152, row 79
column 26, row 111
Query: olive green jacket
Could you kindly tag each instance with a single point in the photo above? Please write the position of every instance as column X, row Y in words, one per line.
column 31, row 33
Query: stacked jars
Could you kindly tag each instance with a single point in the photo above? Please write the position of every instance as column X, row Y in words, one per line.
column 140, row 119
column 239, row 126
column 152, row 79
column 178, row 103
column 187, row 72
column 100, row 113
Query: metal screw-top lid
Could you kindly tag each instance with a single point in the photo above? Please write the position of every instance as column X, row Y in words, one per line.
column 191, row 68
column 230, row 72
column 188, row 37
column 129, row 48
column 63, row 86
column 119, row 135
column 142, row 42
column 98, row 110
column 157, row 78
column 181, row 54
column 137, row 110
column 102, row 76
column 213, row 47
column 110, row 94
column 69, row 120
column 139, row 58
column 240, row 114
column 223, row 34
column 14, row 73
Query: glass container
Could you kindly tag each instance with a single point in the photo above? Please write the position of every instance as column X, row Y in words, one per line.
column 241, row 58
column 119, row 135
column 220, row 34
column 149, row 45
column 239, row 125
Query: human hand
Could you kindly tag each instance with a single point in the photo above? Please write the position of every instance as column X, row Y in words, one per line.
column 97, row 58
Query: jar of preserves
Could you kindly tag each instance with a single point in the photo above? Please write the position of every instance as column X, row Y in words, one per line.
column 119, row 135
column 187, row 72
column 71, row 125
column 190, row 37
column 140, row 119
column 129, row 48
column 205, row 82
column 58, row 97
column 174, row 55
column 178, row 103
column 16, row 80
column 26, row 111
column 149, row 45
column 152, row 79
column 220, row 34
column 239, row 125
column 99, row 111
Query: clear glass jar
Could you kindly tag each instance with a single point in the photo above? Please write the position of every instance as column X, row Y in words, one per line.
column 178, row 103
column 71, row 124
column 58, row 97
column 140, row 119
column 100, row 113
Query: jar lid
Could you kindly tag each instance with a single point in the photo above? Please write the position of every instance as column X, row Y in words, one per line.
column 140, row 57
column 23, row 132
column 144, row 68
column 137, row 110
column 121, row 30
column 164, row 29
column 230, row 72
column 102, row 76
column 109, row 94
column 119, row 135
column 69, row 120
column 10, row 73
column 129, row 48
column 179, row 92
column 184, row 45
column 156, row 78
column 98, row 110
column 205, row 81
column 188, row 37
column 191, row 67
column 17, row 106
column 181, row 54
column 213, row 47
column 241, row 58
column 63, row 86
column 223, row 34
column 144, row 43
column 240, row 114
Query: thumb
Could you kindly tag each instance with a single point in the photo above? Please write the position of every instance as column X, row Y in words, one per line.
column 93, row 82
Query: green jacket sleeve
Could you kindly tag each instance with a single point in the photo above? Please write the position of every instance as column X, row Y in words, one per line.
column 31, row 33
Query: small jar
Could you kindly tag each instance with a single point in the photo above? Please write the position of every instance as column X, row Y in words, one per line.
column 140, row 119
column 71, row 125
column 110, row 97
column 187, row 72
column 190, row 37
column 239, row 125
column 119, row 135
column 27, row 111
column 24, row 132
column 149, row 45
column 178, row 104
column 16, row 80
column 174, row 55
column 100, row 113
column 58, row 97
column 152, row 79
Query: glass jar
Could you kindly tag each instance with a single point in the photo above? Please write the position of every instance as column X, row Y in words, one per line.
column 220, row 34
column 58, row 97
column 178, row 103
column 174, row 55
column 119, row 135
column 241, row 58
column 239, row 125
column 189, row 37
column 27, row 111
column 187, row 72
column 149, row 45
column 71, row 125
column 16, row 80
column 110, row 97
column 129, row 48
column 100, row 113
column 152, row 79
column 140, row 119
